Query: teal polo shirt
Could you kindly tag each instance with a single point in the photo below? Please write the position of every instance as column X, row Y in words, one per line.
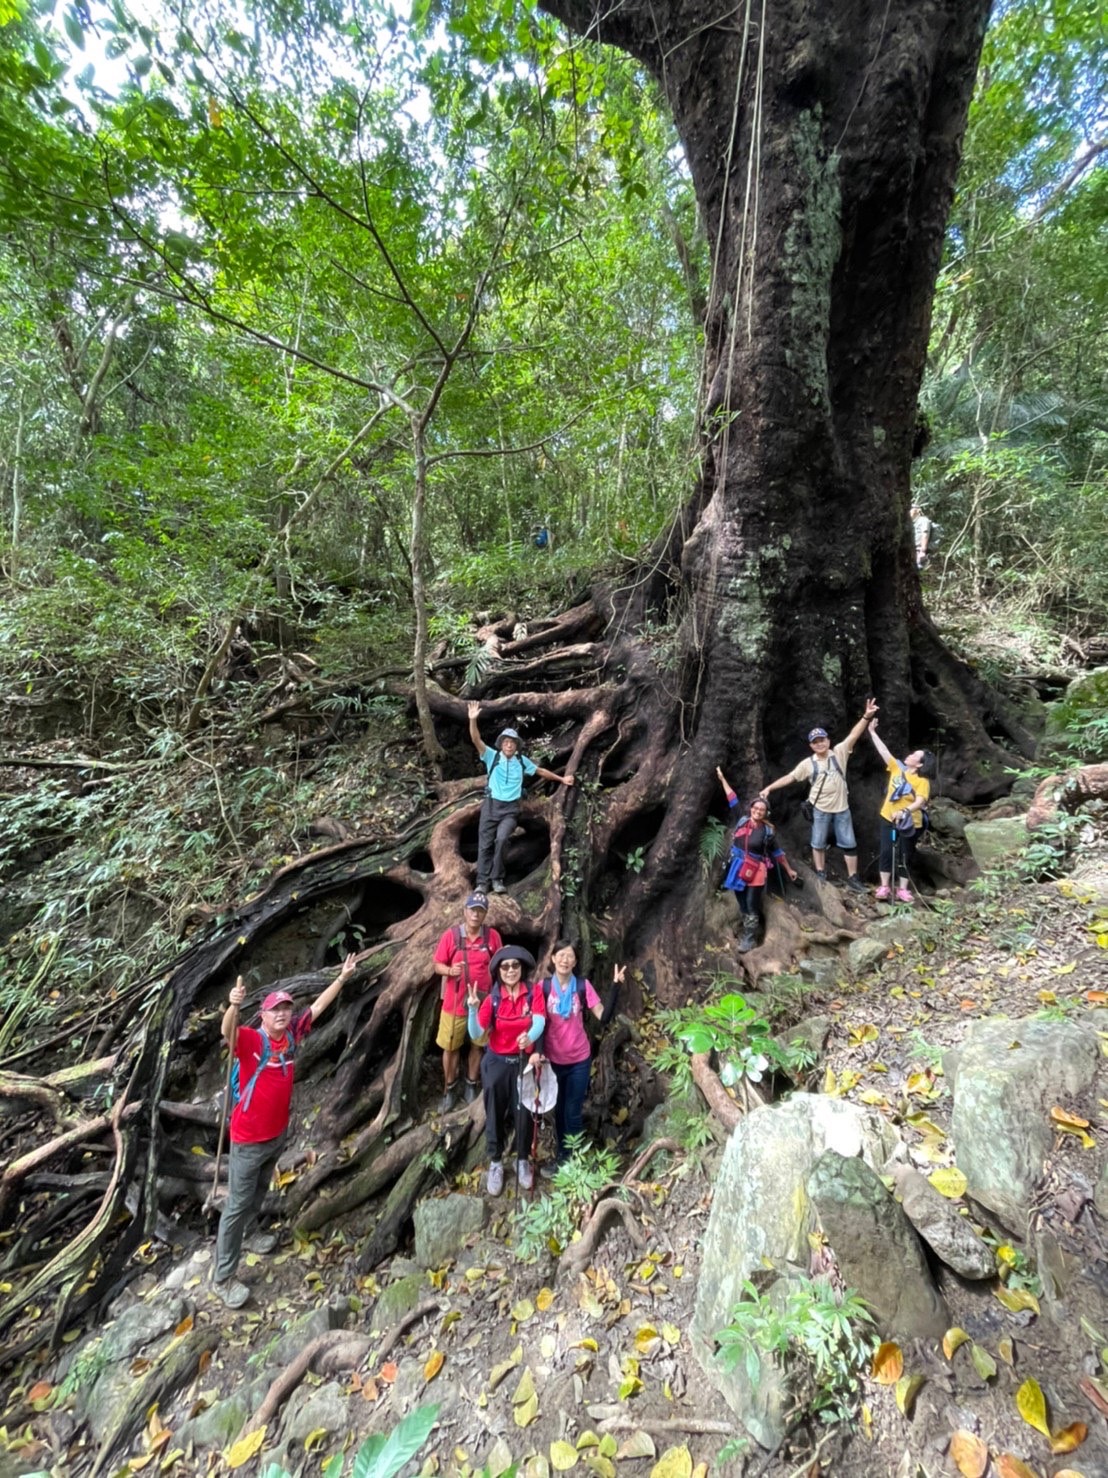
column 506, row 775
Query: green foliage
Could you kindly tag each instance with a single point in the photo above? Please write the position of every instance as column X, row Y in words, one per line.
column 732, row 1030
column 821, row 1340
column 382, row 1454
column 548, row 1225
column 713, row 844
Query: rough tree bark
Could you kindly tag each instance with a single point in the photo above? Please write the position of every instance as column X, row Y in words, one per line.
column 823, row 142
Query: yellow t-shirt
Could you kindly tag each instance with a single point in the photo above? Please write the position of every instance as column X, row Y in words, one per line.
column 919, row 786
column 827, row 791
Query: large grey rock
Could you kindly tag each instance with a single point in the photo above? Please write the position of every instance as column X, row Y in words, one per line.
column 760, row 1220
column 823, row 971
column 141, row 1325
column 218, row 1426
column 1005, row 1078
column 996, row 841
column 899, row 928
column 946, row 820
column 810, row 1033
column 395, row 1301
column 1085, row 696
column 326, row 1408
column 942, row 1227
column 864, row 954
column 877, row 1249
column 297, row 1333
column 442, row 1225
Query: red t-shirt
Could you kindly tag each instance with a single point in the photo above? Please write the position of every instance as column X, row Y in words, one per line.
column 514, row 1016
column 267, row 1115
column 473, row 956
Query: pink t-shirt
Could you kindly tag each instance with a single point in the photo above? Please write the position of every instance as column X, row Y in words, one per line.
column 565, row 1039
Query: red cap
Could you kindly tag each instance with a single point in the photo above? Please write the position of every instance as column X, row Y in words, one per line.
column 276, row 998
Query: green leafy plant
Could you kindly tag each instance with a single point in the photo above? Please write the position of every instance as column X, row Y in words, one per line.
column 636, row 859
column 732, row 1030
column 548, row 1225
column 381, row 1455
column 822, row 1341
column 713, row 842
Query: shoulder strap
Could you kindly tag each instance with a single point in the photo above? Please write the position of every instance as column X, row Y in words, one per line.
column 247, row 1093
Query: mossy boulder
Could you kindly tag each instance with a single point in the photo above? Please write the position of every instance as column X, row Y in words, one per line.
column 1086, row 698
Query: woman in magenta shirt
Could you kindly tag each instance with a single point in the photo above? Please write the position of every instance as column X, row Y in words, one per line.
column 566, row 1042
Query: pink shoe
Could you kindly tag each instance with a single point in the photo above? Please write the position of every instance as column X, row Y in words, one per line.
column 903, row 895
column 882, row 893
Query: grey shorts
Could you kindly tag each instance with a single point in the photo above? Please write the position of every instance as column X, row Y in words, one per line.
column 840, row 822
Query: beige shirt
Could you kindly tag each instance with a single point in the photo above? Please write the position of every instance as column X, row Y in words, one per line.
column 827, row 792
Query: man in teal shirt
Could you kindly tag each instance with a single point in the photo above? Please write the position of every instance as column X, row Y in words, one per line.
column 506, row 766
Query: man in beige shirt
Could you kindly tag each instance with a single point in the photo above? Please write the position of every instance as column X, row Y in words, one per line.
column 825, row 773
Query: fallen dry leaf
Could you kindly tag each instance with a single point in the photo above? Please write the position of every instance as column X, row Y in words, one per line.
column 953, row 1340
column 1069, row 1438
column 969, row 1454
column 907, row 1388
column 563, row 1456
column 245, row 1448
column 433, row 1365
column 950, row 1182
column 1017, row 1299
column 388, row 1372
column 1008, row 1466
column 1031, row 1405
column 1096, row 1392
column 675, row 1462
column 888, row 1364
column 983, row 1362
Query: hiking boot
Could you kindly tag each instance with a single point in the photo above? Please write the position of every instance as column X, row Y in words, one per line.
column 498, row 886
column 525, row 1174
column 749, row 937
column 854, row 884
column 883, row 893
column 261, row 1242
column 470, row 1091
column 821, row 874
column 450, row 1094
column 549, row 1169
column 904, row 895
column 496, row 1178
column 231, row 1293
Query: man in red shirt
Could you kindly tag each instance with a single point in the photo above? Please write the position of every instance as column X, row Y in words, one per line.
column 462, row 957
column 263, row 1095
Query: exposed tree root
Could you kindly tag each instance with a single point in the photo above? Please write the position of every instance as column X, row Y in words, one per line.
column 15, row 1171
column 699, row 1426
column 392, row 1336
column 283, row 1385
column 1066, row 792
column 575, row 1259
column 721, row 1104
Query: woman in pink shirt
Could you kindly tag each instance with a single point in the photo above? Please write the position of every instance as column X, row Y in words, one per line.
column 566, row 1042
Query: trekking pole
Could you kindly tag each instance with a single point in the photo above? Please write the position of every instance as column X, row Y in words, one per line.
column 210, row 1202
column 519, row 1103
column 535, row 1127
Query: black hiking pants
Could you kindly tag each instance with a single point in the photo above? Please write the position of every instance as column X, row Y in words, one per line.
column 498, row 821
column 503, row 1116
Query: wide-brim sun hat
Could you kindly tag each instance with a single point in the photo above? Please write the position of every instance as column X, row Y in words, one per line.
column 508, row 734
column 513, row 952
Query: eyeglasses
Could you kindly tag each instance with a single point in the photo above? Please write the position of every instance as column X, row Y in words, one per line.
column 511, row 965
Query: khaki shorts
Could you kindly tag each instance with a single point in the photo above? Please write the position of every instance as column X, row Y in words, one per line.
column 452, row 1033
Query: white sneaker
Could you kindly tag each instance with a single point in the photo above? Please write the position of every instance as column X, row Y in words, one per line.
column 496, row 1178
column 525, row 1174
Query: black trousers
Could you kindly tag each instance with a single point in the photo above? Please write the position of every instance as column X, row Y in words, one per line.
column 498, row 821
column 500, row 1079
column 750, row 901
column 905, row 850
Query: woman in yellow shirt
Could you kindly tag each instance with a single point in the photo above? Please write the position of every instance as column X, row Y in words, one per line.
column 902, row 814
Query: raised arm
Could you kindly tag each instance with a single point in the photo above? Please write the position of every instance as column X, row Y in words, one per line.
column 325, row 997
column 550, row 775
column 728, row 789
column 788, row 779
column 860, row 727
column 878, row 743
column 474, row 711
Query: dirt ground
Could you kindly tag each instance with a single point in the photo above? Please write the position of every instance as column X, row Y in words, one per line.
column 523, row 1363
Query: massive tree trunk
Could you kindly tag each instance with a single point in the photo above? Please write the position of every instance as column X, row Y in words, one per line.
column 823, row 142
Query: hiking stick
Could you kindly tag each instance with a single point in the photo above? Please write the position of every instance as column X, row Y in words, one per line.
column 519, row 1106
column 535, row 1128
column 213, row 1194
